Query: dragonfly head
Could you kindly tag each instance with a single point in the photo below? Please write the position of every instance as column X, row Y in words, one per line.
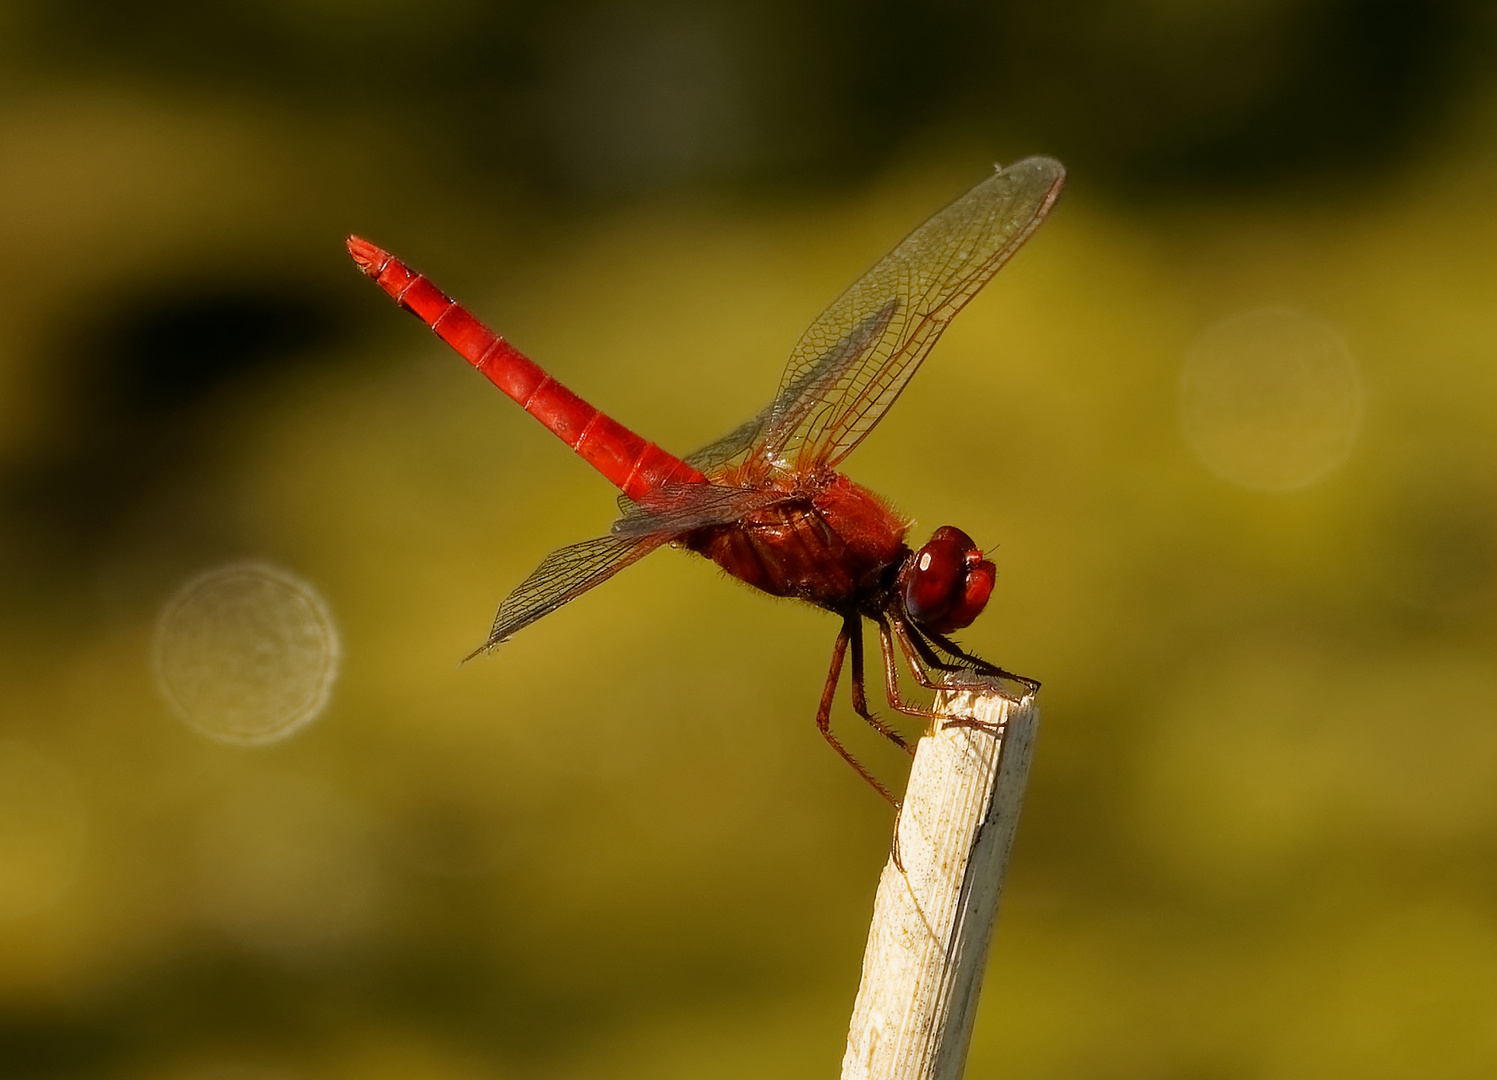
column 946, row 584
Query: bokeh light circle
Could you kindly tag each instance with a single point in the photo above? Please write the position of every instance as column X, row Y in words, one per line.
column 1271, row 399
column 41, row 831
column 246, row 653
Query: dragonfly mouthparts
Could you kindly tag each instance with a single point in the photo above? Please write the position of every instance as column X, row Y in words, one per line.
column 366, row 256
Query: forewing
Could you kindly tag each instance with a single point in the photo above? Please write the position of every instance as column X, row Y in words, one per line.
column 856, row 358
column 564, row 575
column 766, row 433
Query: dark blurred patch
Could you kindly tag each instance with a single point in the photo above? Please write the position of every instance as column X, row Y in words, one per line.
column 629, row 101
column 1433, row 545
column 203, row 999
column 168, row 352
column 206, row 996
column 581, row 99
column 443, row 839
column 202, row 1002
column 40, row 1046
column 1334, row 87
column 447, row 975
column 147, row 382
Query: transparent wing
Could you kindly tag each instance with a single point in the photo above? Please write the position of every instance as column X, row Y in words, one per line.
column 791, row 403
column 715, row 455
column 564, row 575
column 678, row 508
column 857, row 357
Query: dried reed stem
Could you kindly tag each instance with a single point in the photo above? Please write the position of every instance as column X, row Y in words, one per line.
column 932, row 921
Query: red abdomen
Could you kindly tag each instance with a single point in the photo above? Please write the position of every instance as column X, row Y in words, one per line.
column 633, row 464
column 831, row 545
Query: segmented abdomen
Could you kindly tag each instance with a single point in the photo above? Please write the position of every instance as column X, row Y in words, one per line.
column 633, row 464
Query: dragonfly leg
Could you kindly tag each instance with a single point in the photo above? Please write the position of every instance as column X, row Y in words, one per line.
column 920, row 656
column 853, row 628
column 979, row 664
column 850, row 627
column 891, row 677
column 859, row 697
column 919, row 653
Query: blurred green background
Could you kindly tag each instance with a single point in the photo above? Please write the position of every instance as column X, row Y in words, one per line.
column 1261, row 839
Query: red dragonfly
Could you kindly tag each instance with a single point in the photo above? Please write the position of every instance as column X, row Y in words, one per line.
column 766, row 502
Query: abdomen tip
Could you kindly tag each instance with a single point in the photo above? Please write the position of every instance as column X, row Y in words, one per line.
column 366, row 256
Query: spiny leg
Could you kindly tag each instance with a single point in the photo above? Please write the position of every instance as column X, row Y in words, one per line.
column 919, row 653
column 854, row 625
column 977, row 662
column 860, row 703
column 824, row 711
column 913, row 639
column 891, row 676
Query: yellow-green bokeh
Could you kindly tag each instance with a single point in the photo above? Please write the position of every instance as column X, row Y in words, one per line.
column 1263, row 823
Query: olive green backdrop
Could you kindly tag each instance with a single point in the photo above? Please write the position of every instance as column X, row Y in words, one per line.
column 1261, row 839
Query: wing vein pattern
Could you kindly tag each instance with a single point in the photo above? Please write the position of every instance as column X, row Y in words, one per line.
column 853, row 362
column 562, row 576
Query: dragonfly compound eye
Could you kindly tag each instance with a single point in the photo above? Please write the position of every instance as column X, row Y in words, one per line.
column 946, row 584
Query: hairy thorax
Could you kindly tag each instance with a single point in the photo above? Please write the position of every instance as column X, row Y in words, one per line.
column 829, row 542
